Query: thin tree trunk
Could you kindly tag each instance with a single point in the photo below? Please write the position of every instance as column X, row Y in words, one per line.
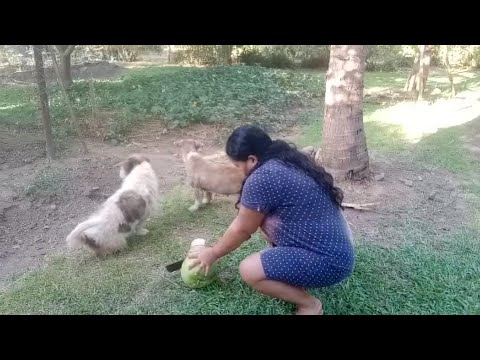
column 424, row 70
column 229, row 54
column 412, row 77
column 344, row 148
column 66, row 71
column 65, row 63
column 427, row 58
column 420, row 76
column 226, row 54
column 42, row 89
column 66, row 98
column 417, row 80
column 169, row 54
column 92, row 99
column 446, row 61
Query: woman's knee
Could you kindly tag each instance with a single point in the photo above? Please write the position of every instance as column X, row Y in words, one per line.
column 251, row 269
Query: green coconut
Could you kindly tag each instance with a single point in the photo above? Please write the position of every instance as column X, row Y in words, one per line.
column 196, row 278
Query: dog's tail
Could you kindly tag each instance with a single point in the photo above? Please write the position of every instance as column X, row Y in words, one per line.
column 76, row 238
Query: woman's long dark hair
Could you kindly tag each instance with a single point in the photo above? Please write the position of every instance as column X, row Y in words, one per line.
column 250, row 140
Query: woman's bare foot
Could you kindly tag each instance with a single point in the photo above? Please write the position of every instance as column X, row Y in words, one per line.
column 315, row 308
column 251, row 270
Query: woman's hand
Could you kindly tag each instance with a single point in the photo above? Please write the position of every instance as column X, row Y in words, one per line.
column 240, row 230
column 204, row 258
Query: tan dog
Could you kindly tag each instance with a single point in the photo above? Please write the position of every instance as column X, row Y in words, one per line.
column 208, row 174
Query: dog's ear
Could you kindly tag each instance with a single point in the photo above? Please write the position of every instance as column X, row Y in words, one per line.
column 198, row 145
column 133, row 160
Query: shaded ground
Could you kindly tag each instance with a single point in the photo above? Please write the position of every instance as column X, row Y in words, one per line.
column 472, row 138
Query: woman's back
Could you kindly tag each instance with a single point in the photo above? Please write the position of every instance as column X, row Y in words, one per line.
column 300, row 213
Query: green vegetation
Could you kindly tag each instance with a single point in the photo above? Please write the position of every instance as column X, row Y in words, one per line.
column 179, row 96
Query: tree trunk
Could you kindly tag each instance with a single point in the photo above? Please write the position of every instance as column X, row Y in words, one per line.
column 417, row 80
column 65, row 70
column 420, row 83
column 65, row 63
column 344, row 147
column 425, row 57
column 65, row 96
column 446, row 62
column 169, row 54
column 226, row 54
column 229, row 54
column 412, row 77
column 42, row 89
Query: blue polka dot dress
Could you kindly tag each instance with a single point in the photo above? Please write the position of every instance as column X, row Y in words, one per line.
column 311, row 240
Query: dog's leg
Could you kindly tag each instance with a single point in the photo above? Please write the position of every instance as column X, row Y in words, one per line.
column 198, row 200
column 140, row 230
column 207, row 197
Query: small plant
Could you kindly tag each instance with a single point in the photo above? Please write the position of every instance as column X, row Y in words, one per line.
column 48, row 182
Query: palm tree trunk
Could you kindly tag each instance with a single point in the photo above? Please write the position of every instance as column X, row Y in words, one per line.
column 344, row 147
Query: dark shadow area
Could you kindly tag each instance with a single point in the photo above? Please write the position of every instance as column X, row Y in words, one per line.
column 446, row 148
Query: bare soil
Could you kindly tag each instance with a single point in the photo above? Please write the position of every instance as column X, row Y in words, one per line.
column 98, row 70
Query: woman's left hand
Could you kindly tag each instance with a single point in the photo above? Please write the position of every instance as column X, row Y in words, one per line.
column 204, row 258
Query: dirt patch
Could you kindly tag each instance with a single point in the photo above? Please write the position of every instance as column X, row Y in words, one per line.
column 404, row 195
column 385, row 97
column 19, row 149
column 35, row 224
column 99, row 70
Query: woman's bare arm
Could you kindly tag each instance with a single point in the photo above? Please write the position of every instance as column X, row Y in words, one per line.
column 240, row 230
